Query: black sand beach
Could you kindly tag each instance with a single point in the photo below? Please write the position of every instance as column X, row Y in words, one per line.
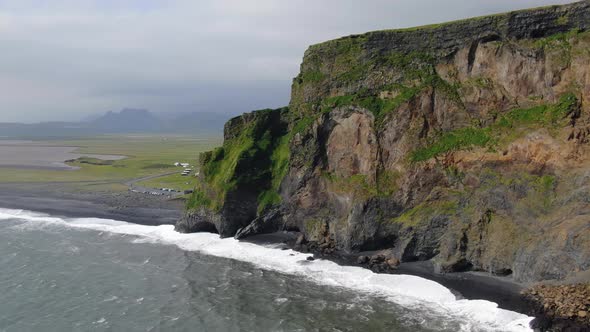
column 61, row 200
column 469, row 285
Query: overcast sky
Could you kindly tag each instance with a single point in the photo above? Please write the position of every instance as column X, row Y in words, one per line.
column 68, row 59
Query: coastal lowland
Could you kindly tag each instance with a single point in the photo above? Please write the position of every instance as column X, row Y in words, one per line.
column 120, row 174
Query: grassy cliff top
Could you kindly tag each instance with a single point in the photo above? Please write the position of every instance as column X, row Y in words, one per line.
column 400, row 58
column 445, row 38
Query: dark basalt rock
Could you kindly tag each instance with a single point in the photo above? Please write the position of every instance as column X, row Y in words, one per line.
column 196, row 222
column 268, row 223
column 380, row 263
column 362, row 260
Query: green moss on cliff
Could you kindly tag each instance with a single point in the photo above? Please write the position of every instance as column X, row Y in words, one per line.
column 558, row 40
column 425, row 211
column 315, row 228
column 302, row 124
column 533, row 194
column 540, row 192
column 313, row 76
column 376, row 105
column 198, row 199
column 348, row 65
column 253, row 158
column 362, row 186
column 278, row 169
column 546, row 115
column 219, row 171
column 387, row 182
column 559, row 46
column 358, row 184
column 459, row 139
column 502, row 131
column 414, row 73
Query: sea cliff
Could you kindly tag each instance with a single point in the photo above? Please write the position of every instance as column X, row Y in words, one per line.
column 464, row 143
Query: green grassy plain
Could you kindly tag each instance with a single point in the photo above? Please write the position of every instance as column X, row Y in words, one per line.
column 147, row 155
column 174, row 181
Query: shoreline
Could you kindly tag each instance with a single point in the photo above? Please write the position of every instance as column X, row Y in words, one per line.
column 503, row 291
column 142, row 209
column 125, row 206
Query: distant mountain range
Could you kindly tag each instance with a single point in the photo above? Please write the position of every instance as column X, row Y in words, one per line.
column 122, row 122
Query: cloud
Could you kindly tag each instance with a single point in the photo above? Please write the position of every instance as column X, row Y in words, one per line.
column 70, row 58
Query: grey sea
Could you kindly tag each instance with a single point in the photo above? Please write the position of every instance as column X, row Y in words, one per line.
column 60, row 274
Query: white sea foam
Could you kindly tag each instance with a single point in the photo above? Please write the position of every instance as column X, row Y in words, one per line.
column 111, row 299
column 409, row 291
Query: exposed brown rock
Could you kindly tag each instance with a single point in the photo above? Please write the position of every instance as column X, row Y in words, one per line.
column 517, row 209
column 562, row 307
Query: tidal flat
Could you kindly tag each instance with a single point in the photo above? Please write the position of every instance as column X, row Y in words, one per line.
column 111, row 158
column 40, row 155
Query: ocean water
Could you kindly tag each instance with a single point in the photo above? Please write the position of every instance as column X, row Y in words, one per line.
column 60, row 274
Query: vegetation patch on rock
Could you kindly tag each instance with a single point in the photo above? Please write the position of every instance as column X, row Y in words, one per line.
column 505, row 129
column 254, row 157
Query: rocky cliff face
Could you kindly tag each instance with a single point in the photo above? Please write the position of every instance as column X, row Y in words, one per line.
column 463, row 143
column 239, row 178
